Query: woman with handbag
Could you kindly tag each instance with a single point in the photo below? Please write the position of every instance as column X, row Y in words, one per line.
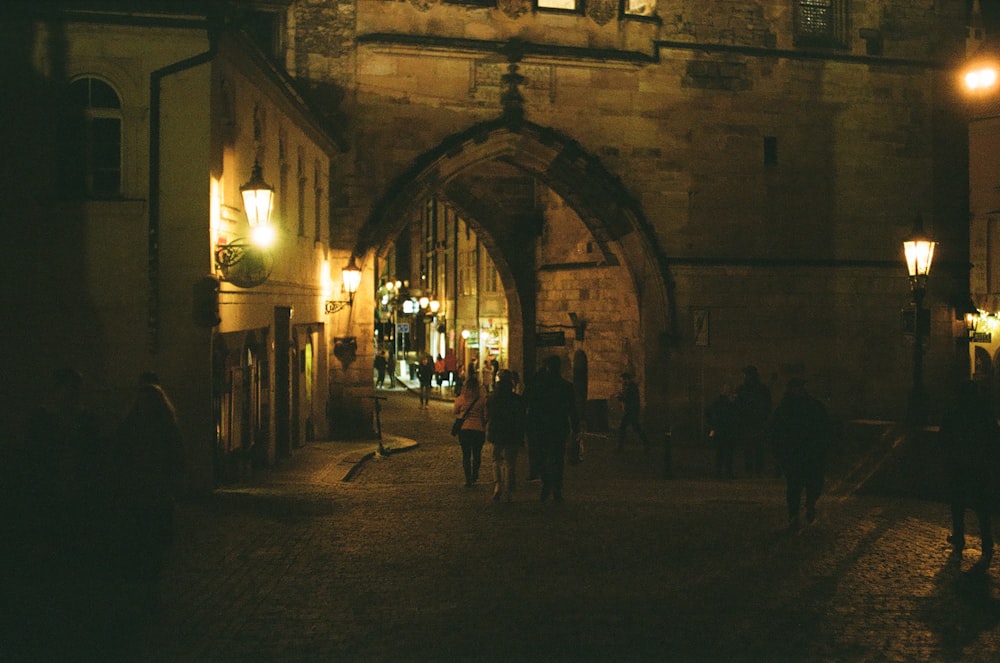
column 470, row 408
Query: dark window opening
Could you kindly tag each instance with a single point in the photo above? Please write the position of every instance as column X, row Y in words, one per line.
column 90, row 141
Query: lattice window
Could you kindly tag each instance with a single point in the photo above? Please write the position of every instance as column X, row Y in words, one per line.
column 821, row 23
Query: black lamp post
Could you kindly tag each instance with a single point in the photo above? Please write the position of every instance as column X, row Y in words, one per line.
column 919, row 252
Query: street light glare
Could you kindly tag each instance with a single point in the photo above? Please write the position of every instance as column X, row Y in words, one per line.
column 982, row 78
column 263, row 236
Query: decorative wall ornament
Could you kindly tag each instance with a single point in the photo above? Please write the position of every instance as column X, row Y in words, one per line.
column 602, row 11
column 511, row 98
column 423, row 5
column 514, row 8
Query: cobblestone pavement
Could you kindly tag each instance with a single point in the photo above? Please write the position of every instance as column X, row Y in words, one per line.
column 403, row 563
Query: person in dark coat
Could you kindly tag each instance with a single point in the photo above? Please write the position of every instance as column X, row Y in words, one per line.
column 381, row 364
column 800, row 430
column 505, row 413
column 970, row 437
column 629, row 397
column 425, row 375
column 551, row 417
column 754, row 401
column 723, row 418
column 150, row 460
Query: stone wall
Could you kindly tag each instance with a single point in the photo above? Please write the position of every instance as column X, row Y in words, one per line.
column 775, row 183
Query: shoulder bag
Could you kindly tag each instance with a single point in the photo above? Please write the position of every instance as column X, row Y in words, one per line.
column 457, row 426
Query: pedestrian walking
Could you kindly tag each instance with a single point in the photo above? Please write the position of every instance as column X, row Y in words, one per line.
column 471, row 407
column 969, row 435
column 551, row 417
column 425, row 375
column 754, row 401
column 439, row 373
column 505, row 413
column 381, row 363
column 800, row 430
column 150, row 460
column 494, row 371
column 723, row 420
column 451, row 368
column 629, row 398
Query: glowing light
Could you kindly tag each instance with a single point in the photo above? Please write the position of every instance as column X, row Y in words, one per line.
column 263, row 236
column 981, row 78
column 325, row 281
column 352, row 276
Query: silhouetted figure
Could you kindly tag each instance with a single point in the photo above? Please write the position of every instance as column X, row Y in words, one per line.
column 505, row 412
column 969, row 435
column 551, row 417
column 754, row 401
column 60, row 571
column 381, row 364
column 494, row 371
column 425, row 375
column 723, row 419
column 471, row 405
column 800, row 430
column 150, row 460
column 629, row 398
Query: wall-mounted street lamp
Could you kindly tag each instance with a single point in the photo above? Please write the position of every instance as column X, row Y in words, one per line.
column 351, row 275
column 918, row 249
column 251, row 254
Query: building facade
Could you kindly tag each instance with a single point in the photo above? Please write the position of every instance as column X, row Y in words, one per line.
column 677, row 189
column 130, row 135
column 711, row 184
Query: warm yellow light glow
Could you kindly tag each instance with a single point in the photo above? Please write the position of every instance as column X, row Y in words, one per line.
column 263, row 236
column 325, row 280
column 352, row 276
column 258, row 198
column 919, row 256
column 435, row 306
column 424, row 302
column 981, row 78
column 214, row 209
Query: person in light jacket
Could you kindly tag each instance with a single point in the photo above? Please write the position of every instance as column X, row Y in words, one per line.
column 471, row 404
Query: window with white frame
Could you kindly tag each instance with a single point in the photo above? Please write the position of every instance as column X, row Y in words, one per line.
column 639, row 7
column 559, row 5
column 90, row 140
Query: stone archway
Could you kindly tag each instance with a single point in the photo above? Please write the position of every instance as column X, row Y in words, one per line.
column 611, row 215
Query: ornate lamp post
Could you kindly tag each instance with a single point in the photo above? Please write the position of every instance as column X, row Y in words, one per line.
column 919, row 252
column 247, row 262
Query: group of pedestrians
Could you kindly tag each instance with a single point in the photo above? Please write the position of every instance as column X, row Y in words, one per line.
column 798, row 431
column 545, row 416
column 89, row 512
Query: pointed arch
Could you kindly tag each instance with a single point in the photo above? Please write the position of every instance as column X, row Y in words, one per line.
column 610, row 213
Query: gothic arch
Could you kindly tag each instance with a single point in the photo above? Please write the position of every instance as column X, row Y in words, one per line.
column 610, row 213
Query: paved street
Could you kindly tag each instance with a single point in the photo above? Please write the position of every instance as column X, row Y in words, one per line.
column 403, row 563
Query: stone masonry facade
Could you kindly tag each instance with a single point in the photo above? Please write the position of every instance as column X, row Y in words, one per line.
column 773, row 179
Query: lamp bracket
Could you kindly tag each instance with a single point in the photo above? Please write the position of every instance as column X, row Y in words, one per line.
column 243, row 264
column 331, row 306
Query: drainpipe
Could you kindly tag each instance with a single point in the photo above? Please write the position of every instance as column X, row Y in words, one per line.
column 153, row 255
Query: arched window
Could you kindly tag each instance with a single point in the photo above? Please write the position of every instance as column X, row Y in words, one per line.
column 91, row 140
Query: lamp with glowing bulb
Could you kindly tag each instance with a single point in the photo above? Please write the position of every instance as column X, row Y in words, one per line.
column 918, row 249
column 351, row 275
column 246, row 262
